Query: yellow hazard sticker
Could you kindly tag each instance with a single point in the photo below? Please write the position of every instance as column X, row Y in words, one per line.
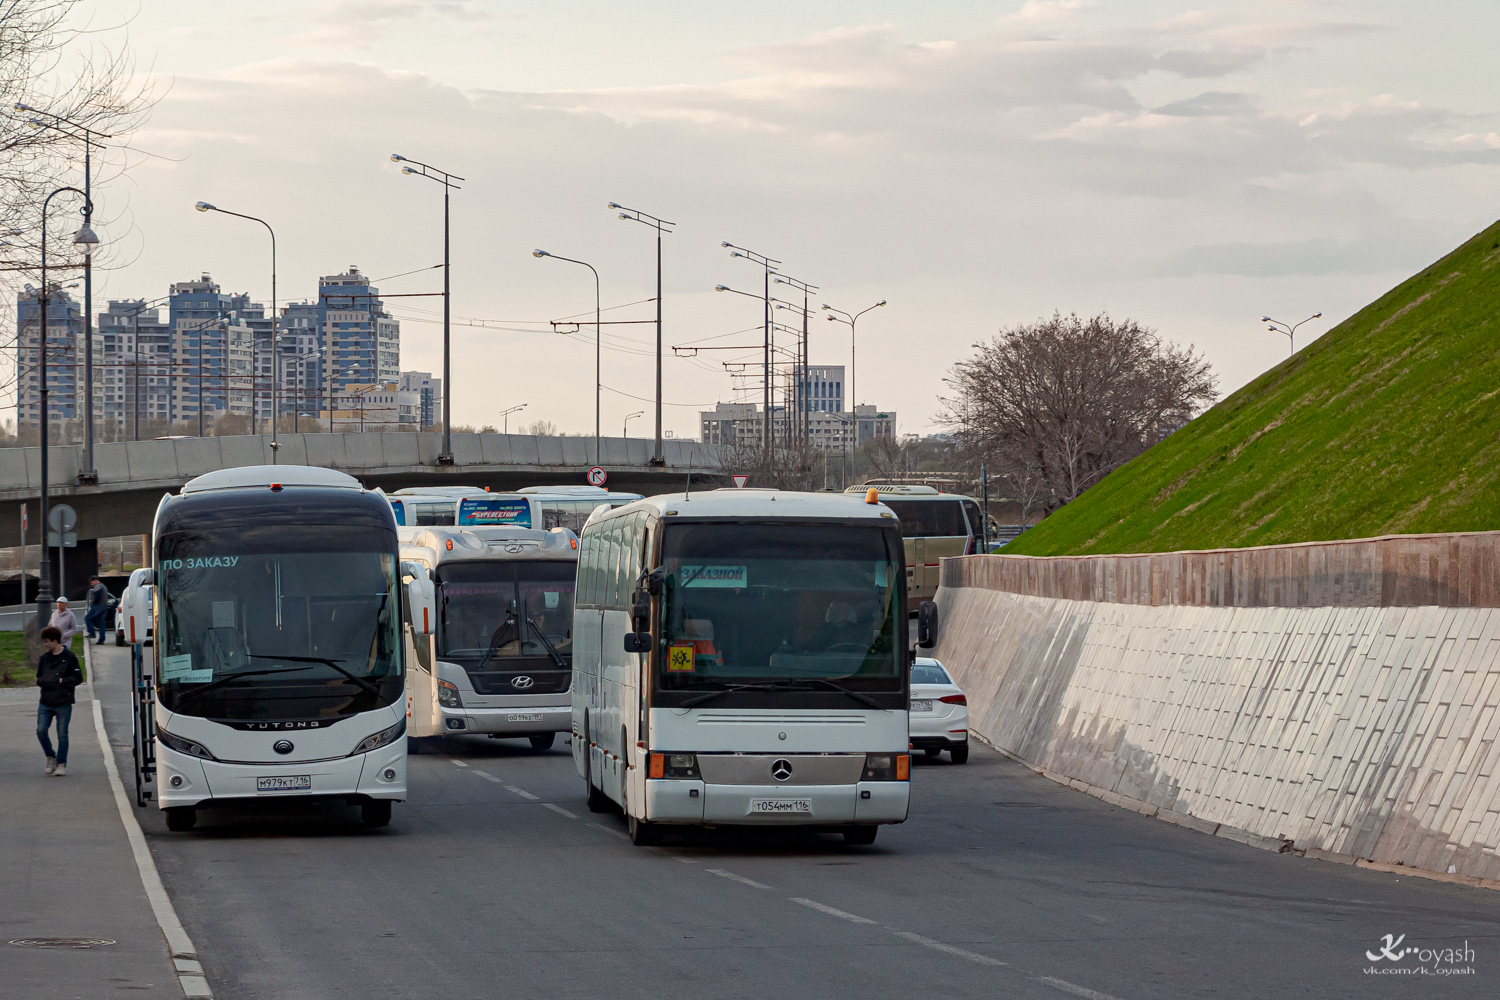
column 680, row 657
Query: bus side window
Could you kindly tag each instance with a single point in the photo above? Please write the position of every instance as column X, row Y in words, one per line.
column 619, row 557
column 588, row 568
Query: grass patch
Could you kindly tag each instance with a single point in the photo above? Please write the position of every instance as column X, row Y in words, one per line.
column 16, row 670
column 1387, row 424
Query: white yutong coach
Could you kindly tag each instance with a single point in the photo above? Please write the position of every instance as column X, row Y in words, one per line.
column 278, row 659
column 741, row 657
column 501, row 658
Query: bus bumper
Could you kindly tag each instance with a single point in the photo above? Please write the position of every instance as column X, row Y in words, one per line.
column 683, row 801
column 508, row 721
column 205, row 781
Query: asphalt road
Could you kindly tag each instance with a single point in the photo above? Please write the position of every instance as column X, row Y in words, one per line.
column 494, row 880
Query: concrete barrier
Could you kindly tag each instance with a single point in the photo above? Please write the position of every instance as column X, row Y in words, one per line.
column 1301, row 698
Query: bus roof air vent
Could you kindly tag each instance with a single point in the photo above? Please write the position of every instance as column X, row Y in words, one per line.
column 895, row 489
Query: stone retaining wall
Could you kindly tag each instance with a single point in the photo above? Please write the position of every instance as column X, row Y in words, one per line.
column 1346, row 729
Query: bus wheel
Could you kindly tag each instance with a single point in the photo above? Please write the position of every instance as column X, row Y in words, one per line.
column 376, row 812
column 861, row 835
column 180, row 819
column 643, row 834
column 598, row 801
column 542, row 741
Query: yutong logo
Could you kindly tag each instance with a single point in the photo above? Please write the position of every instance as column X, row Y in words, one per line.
column 1425, row 961
column 267, row 726
column 522, row 682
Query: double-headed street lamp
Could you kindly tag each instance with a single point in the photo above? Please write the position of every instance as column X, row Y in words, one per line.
column 598, row 342
column 417, row 168
column 505, row 415
column 1290, row 332
column 769, row 265
column 661, row 226
column 625, row 430
column 85, row 238
column 839, row 316
column 804, row 412
column 204, row 206
column 89, row 474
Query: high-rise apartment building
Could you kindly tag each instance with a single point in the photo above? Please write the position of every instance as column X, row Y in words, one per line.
column 430, row 391
column 135, row 364
column 64, row 356
column 361, row 340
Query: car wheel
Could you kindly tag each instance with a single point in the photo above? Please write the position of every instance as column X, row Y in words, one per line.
column 643, row 834
column 543, row 741
column 861, row 835
column 180, row 819
column 960, row 755
column 375, row 813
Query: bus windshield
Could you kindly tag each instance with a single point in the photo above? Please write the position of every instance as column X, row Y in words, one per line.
column 496, row 611
column 929, row 518
column 277, row 635
column 780, row 602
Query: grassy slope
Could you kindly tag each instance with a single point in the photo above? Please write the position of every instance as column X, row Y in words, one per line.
column 1389, row 423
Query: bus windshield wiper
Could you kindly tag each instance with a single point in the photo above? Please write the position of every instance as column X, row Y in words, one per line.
column 551, row 649
column 325, row 660
column 497, row 640
column 836, row 686
column 710, row 695
column 234, row 677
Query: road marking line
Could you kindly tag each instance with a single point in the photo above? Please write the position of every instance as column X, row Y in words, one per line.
column 559, row 810
column 459, row 762
column 1074, row 988
column 737, row 878
column 686, row 861
column 851, row 917
column 926, row 942
column 613, row 833
column 156, row 893
column 521, row 792
column 487, row 776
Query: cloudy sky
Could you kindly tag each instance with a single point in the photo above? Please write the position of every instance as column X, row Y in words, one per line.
column 978, row 164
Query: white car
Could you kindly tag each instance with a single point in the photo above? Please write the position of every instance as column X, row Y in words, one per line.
column 939, row 712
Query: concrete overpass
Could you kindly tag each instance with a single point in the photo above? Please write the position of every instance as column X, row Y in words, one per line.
column 133, row 475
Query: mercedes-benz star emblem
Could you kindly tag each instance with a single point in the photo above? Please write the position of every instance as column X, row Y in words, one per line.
column 521, row 682
column 283, row 746
column 781, row 769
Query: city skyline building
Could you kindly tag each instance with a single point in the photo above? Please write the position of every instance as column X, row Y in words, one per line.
column 430, row 392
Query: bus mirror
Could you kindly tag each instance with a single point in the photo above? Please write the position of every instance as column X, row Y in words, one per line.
column 637, row 642
column 134, row 613
column 422, row 601
column 654, row 580
column 927, row 624
column 642, row 605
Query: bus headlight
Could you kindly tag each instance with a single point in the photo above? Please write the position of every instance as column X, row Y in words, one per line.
column 673, row 765
column 448, row 695
column 184, row 746
column 377, row 740
column 887, row 767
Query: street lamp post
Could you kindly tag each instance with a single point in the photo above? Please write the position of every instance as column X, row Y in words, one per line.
column 598, row 342
column 839, row 316
column 625, row 430
column 660, row 225
column 505, row 415
column 1290, row 332
column 804, row 413
column 84, row 237
column 89, row 473
column 769, row 264
column 204, row 206
column 419, row 169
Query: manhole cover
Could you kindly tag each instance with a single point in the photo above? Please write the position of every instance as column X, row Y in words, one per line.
column 80, row 943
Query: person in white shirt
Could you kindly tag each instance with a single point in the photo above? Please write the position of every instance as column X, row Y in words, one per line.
column 65, row 622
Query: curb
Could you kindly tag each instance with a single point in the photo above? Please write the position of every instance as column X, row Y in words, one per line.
column 1276, row 845
column 184, row 953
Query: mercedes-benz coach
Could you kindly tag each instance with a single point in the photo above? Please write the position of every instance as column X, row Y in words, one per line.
column 501, row 659
column 740, row 657
column 278, row 654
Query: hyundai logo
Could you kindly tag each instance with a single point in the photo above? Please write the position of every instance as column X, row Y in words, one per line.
column 781, row 769
column 521, row 682
column 285, row 747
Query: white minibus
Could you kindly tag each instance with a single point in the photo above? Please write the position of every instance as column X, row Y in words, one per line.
column 740, row 657
column 278, row 658
column 500, row 661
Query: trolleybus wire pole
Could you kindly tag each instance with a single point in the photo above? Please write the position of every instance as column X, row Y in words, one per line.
column 646, row 218
column 598, row 342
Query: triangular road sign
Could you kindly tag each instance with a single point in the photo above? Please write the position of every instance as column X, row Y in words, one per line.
column 740, row 481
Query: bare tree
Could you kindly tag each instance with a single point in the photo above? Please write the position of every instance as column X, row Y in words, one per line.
column 540, row 428
column 57, row 68
column 1053, row 406
column 787, row 467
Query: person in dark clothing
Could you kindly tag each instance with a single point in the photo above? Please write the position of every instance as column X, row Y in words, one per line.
column 98, row 613
column 57, row 674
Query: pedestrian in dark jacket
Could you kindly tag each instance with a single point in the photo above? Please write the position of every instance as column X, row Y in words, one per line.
column 98, row 612
column 57, row 674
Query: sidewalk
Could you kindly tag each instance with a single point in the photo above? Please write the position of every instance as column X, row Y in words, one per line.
column 67, row 871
